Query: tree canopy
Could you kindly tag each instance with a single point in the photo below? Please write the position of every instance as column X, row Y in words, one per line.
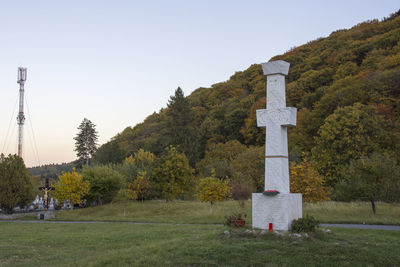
column 71, row 187
column 16, row 187
column 371, row 178
column 212, row 189
column 172, row 175
column 104, row 183
column 347, row 134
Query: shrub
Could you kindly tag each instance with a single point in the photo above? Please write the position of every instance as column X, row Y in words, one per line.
column 234, row 216
column 241, row 191
column 304, row 225
column 104, row 183
column 122, row 196
column 141, row 188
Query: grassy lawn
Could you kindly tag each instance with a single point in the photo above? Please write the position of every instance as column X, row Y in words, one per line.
column 197, row 212
column 354, row 212
column 156, row 211
column 116, row 244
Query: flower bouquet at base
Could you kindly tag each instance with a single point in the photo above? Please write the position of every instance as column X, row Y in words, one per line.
column 270, row 193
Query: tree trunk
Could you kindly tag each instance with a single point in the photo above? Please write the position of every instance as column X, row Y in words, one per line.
column 373, row 206
column 211, row 206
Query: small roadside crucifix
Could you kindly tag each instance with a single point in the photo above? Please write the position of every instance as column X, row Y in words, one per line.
column 46, row 189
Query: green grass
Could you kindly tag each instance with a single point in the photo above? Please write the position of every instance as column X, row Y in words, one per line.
column 156, row 211
column 197, row 212
column 118, row 244
column 354, row 212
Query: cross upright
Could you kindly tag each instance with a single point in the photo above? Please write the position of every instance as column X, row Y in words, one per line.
column 276, row 118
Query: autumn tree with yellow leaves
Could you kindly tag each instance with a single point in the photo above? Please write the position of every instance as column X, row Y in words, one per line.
column 305, row 180
column 212, row 189
column 141, row 161
column 141, row 188
column 71, row 187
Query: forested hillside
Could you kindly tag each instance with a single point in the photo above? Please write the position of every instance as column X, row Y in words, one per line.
column 346, row 88
column 51, row 170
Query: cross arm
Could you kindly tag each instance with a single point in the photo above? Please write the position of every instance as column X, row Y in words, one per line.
column 281, row 116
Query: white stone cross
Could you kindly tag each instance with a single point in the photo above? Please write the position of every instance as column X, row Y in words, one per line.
column 276, row 117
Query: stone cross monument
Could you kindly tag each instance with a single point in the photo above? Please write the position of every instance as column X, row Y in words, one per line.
column 276, row 208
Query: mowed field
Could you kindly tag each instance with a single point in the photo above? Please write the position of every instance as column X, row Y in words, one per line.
column 123, row 244
column 198, row 212
column 187, row 233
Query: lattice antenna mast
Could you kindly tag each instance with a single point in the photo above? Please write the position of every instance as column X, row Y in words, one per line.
column 21, row 116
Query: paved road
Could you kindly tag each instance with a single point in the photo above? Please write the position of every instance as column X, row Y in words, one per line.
column 356, row 226
column 365, row 226
column 94, row 222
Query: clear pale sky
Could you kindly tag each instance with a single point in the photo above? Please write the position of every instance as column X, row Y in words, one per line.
column 116, row 62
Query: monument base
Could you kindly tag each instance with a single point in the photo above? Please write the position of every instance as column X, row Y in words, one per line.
column 280, row 210
column 44, row 215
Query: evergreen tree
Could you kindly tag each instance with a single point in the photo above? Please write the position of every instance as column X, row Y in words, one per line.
column 86, row 141
column 16, row 187
column 180, row 126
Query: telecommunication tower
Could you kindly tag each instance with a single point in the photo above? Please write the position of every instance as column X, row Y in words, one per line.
column 21, row 116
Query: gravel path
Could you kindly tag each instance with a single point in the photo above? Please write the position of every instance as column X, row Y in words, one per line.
column 356, row 226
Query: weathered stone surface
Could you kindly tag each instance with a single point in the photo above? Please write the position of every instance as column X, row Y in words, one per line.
column 45, row 215
column 284, row 207
column 280, row 116
column 277, row 173
column 276, row 67
column 276, row 117
column 280, row 210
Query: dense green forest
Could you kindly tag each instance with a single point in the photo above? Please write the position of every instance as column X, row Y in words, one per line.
column 51, row 170
column 346, row 88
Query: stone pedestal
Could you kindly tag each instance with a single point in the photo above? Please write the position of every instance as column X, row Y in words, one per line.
column 280, row 210
column 45, row 215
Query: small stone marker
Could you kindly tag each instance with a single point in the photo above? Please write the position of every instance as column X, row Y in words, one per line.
column 279, row 207
column 40, row 204
column 51, row 205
